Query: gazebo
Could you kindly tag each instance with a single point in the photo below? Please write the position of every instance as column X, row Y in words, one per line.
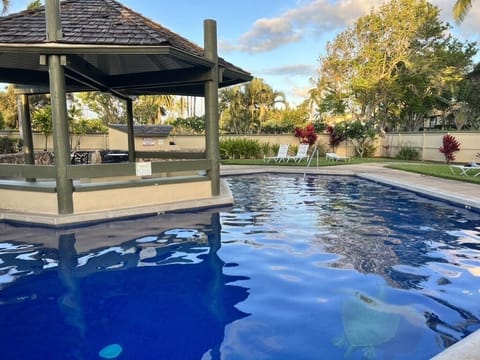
column 101, row 45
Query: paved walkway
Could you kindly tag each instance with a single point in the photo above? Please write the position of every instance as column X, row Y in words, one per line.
column 460, row 193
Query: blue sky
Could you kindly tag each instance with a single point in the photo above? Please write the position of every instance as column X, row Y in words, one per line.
column 277, row 40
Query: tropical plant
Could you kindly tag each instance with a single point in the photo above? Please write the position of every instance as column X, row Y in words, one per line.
column 149, row 109
column 265, row 147
column 336, row 134
column 5, row 6
column 79, row 127
column 7, row 145
column 460, row 9
column 42, row 122
column 450, row 145
column 190, row 125
column 362, row 136
column 307, row 134
column 35, row 4
column 408, row 152
column 239, row 148
column 245, row 108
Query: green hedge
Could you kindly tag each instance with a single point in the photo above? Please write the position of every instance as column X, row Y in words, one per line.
column 240, row 148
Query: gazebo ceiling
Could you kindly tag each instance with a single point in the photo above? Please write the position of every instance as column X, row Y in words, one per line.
column 106, row 47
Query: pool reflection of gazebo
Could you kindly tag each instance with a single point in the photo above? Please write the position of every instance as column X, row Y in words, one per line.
column 161, row 290
column 100, row 45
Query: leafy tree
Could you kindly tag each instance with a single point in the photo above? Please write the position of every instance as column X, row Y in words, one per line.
column 42, row 122
column 284, row 121
column 149, row 109
column 245, row 108
column 190, row 125
column 8, row 108
column 80, row 127
column 234, row 116
column 388, row 67
column 5, row 6
column 110, row 109
column 362, row 136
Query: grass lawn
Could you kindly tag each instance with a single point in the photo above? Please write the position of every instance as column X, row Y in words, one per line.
column 425, row 168
column 438, row 170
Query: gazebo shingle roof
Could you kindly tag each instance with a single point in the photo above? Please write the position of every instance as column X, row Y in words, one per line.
column 93, row 22
column 103, row 39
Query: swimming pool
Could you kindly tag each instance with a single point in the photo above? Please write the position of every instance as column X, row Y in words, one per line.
column 315, row 268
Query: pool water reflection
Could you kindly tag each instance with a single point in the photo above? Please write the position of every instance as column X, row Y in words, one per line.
column 315, row 268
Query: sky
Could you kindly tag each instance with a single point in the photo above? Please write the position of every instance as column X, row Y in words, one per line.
column 279, row 41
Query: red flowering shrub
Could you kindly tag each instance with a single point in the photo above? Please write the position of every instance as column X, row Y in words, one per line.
column 450, row 145
column 335, row 137
column 307, row 134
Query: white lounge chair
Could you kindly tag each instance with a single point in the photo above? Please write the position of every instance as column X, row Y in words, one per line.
column 472, row 168
column 335, row 157
column 302, row 153
column 282, row 154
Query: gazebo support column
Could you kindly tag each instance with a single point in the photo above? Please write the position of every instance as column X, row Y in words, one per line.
column 131, row 135
column 60, row 135
column 26, row 126
column 59, row 110
column 211, row 106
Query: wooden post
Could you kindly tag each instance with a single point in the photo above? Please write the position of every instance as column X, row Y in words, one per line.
column 59, row 110
column 211, row 106
column 130, row 132
column 26, row 126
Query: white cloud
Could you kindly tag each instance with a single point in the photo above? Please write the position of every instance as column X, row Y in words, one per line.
column 291, row 26
column 323, row 16
column 289, row 70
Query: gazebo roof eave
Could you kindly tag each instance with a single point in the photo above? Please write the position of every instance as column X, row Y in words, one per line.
column 97, row 49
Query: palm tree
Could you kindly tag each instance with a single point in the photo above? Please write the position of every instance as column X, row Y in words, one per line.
column 5, row 5
column 460, row 9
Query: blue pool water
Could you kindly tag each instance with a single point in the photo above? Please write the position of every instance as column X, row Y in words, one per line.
column 315, row 268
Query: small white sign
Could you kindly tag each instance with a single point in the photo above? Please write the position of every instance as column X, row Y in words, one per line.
column 148, row 142
column 143, row 168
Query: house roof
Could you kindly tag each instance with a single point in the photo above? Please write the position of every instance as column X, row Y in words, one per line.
column 145, row 130
column 107, row 47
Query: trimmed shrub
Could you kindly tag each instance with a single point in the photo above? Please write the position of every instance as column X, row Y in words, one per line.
column 408, row 152
column 241, row 148
column 8, row 145
column 293, row 149
column 265, row 146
